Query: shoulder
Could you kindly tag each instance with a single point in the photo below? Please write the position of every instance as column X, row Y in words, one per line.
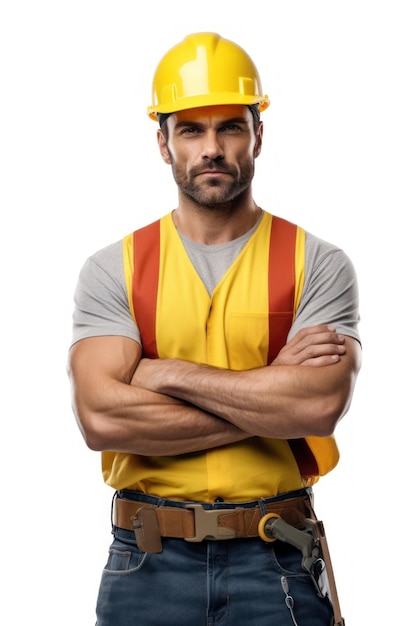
column 102, row 272
column 321, row 254
column 330, row 292
column 107, row 257
column 317, row 246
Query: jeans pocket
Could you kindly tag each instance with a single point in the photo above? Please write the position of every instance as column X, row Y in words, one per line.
column 123, row 559
column 287, row 559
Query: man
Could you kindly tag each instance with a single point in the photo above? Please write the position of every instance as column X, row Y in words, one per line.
column 214, row 352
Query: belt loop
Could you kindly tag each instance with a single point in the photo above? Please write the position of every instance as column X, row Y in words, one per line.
column 112, row 509
column 310, row 495
column 262, row 508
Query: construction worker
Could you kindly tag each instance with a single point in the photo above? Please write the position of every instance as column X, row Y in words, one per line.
column 214, row 351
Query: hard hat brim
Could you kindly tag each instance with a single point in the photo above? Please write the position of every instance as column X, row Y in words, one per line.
column 194, row 102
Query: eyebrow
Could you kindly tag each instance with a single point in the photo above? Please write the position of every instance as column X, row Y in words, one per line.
column 229, row 120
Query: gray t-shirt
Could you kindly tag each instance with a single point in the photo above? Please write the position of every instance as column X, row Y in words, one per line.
column 329, row 296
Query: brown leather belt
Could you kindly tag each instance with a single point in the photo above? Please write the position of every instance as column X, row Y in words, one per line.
column 195, row 523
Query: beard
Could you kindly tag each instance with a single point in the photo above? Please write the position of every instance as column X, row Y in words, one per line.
column 214, row 192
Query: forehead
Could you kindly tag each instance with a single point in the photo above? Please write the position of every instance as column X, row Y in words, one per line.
column 215, row 113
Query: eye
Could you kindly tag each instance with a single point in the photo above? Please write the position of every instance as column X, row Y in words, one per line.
column 189, row 130
column 232, row 128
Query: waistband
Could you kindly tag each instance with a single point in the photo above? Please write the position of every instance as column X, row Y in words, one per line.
column 195, row 521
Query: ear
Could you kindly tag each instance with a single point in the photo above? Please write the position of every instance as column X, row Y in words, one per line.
column 163, row 146
column 258, row 143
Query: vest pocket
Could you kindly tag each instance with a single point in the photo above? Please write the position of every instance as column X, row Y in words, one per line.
column 250, row 337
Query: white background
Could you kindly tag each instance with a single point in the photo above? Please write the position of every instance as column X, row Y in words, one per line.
column 80, row 168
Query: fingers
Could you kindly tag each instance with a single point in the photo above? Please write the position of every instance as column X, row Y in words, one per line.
column 316, row 336
column 314, row 346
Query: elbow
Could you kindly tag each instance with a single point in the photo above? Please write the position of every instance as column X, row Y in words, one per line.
column 94, row 442
column 332, row 411
column 90, row 425
column 325, row 428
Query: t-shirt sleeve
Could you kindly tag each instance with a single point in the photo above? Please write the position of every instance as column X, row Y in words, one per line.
column 330, row 294
column 101, row 305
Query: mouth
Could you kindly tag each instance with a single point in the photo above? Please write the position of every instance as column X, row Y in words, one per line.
column 210, row 173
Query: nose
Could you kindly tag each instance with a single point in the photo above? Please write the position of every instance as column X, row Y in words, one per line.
column 212, row 148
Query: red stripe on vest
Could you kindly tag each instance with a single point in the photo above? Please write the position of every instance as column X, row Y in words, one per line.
column 146, row 255
column 281, row 299
column 281, row 281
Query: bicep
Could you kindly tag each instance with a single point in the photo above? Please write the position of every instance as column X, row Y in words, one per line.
column 330, row 389
column 100, row 370
column 353, row 360
column 338, row 380
column 98, row 361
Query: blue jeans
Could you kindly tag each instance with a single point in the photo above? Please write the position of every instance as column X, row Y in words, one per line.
column 236, row 582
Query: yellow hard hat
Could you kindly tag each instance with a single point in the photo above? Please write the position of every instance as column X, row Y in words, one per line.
column 204, row 70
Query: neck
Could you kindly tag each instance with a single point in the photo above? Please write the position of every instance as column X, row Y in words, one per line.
column 218, row 224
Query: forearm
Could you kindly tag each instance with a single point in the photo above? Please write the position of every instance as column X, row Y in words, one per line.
column 283, row 403
column 115, row 412
column 279, row 401
column 137, row 421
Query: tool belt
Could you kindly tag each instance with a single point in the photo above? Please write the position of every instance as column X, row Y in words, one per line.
column 193, row 522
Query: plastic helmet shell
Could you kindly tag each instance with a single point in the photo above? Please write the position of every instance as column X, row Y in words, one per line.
column 205, row 70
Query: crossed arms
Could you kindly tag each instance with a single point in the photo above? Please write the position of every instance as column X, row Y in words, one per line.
column 165, row 407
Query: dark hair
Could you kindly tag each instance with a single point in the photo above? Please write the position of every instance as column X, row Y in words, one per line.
column 256, row 114
column 162, row 117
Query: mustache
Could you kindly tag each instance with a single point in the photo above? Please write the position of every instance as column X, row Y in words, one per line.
column 217, row 166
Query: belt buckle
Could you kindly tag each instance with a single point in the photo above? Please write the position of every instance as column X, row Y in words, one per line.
column 205, row 524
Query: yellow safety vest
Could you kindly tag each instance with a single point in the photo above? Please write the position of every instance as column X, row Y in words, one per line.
column 243, row 325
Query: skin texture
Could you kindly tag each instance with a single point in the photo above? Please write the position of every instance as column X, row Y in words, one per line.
column 127, row 403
